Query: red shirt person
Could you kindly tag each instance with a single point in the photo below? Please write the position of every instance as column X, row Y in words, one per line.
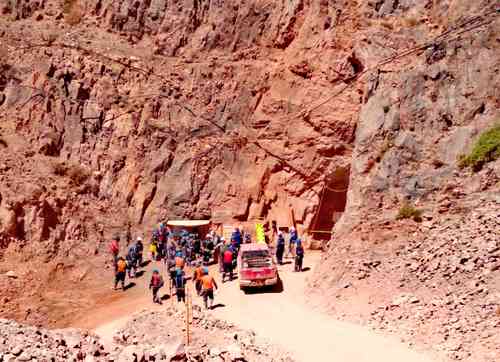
column 114, row 249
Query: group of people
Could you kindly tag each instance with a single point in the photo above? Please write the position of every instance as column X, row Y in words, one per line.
column 133, row 259
column 295, row 248
column 174, row 251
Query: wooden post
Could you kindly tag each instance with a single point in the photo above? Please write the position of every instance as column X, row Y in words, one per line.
column 188, row 332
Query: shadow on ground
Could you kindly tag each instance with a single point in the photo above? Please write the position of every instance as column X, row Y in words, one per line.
column 278, row 288
column 129, row 285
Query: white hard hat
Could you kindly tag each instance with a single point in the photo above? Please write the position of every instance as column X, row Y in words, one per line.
column 139, row 238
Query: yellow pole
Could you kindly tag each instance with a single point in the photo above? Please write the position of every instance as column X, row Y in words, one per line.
column 188, row 336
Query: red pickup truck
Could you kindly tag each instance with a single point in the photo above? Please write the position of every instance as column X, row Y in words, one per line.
column 256, row 266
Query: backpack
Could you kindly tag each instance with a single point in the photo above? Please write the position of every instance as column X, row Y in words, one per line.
column 157, row 281
column 132, row 253
column 121, row 267
column 228, row 256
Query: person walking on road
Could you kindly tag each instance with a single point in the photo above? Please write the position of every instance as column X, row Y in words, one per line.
column 299, row 256
column 179, row 261
column 139, row 249
column 153, row 250
column 228, row 264
column 121, row 271
column 293, row 240
column 180, row 285
column 155, row 285
column 114, row 249
column 131, row 258
column 280, row 248
column 197, row 275
column 208, row 284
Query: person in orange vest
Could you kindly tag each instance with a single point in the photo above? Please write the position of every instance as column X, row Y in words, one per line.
column 114, row 249
column 197, row 275
column 208, row 284
column 179, row 260
column 121, row 272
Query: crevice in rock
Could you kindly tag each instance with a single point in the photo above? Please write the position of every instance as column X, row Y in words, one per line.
column 332, row 204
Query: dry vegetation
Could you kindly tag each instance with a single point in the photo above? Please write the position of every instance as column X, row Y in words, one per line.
column 3, row 54
column 408, row 211
column 76, row 173
column 72, row 12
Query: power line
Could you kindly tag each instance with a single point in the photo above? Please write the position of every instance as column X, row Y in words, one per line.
column 475, row 22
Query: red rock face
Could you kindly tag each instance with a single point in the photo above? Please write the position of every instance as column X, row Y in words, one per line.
column 198, row 110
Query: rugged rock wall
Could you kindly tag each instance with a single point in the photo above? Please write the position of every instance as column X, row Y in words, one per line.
column 433, row 283
column 202, row 110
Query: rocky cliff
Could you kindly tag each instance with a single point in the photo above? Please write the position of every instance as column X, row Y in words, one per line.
column 117, row 114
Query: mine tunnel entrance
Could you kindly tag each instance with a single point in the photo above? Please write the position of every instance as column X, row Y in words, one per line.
column 332, row 204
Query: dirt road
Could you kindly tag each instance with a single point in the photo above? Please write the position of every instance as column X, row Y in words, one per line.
column 284, row 318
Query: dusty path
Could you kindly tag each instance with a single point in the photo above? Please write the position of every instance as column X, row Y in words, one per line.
column 283, row 318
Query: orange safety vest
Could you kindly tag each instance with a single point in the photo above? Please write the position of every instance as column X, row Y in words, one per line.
column 208, row 282
column 121, row 266
column 198, row 273
column 179, row 262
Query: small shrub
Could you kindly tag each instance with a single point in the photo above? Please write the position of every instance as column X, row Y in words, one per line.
column 486, row 149
column 78, row 174
column 387, row 109
column 437, row 163
column 410, row 22
column 387, row 24
column 3, row 143
column 3, row 55
column 408, row 211
column 68, row 5
column 72, row 12
column 59, row 169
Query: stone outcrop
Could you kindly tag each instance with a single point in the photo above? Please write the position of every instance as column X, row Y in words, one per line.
column 433, row 283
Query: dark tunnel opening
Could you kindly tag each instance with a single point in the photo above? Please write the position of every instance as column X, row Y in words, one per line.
column 332, row 204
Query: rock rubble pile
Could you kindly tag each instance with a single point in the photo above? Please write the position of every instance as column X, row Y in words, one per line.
column 148, row 336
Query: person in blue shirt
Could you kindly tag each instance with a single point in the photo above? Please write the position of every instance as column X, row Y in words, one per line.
column 236, row 238
column 293, row 240
column 180, row 285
